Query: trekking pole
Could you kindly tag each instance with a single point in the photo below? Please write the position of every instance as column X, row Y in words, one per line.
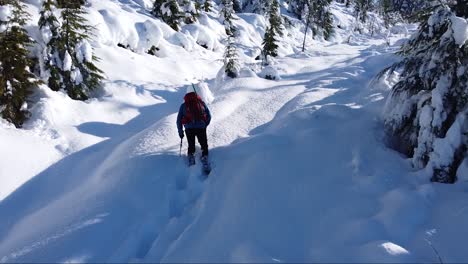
column 180, row 151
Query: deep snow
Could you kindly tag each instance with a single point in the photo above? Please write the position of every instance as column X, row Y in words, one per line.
column 300, row 170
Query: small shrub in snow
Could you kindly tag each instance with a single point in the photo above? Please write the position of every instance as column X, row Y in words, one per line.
column 16, row 81
column 426, row 113
column 269, row 73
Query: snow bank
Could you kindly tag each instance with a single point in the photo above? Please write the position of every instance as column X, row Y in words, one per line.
column 5, row 12
column 460, row 30
column 149, row 35
column 202, row 35
column 270, row 73
column 202, row 90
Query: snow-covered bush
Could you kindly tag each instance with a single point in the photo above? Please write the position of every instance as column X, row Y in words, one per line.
column 426, row 113
column 269, row 73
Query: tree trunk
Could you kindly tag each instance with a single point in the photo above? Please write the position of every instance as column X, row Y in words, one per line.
column 305, row 33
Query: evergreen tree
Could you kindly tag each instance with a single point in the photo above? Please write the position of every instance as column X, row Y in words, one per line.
column 68, row 56
column 319, row 18
column 174, row 12
column 169, row 11
column 257, row 6
column 227, row 13
column 298, row 7
column 427, row 108
column 361, row 9
column 80, row 73
column 231, row 61
column 16, row 81
column 237, row 6
column 50, row 26
column 208, row 6
column 270, row 46
column 190, row 11
column 70, row 3
column 385, row 10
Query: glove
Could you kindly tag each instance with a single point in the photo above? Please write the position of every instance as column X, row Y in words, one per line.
column 181, row 134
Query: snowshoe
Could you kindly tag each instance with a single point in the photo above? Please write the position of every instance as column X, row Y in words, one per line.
column 206, row 166
column 191, row 160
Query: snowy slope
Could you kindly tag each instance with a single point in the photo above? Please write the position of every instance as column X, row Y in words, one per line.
column 300, row 173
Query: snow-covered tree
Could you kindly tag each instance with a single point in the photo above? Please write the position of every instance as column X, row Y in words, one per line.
column 231, row 61
column 50, row 27
column 81, row 75
column 385, row 10
column 207, row 5
column 298, row 7
column 256, row 6
column 427, row 111
column 174, row 12
column 169, row 11
column 68, row 55
column 227, row 13
column 70, row 3
column 189, row 9
column 361, row 9
column 319, row 19
column 273, row 31
column 16, row 80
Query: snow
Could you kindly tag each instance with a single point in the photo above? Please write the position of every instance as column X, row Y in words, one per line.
column 300, row 169
column 5, row 12
column 84, row 51
column 460, row 30
column 270, row 73
column 67, row 62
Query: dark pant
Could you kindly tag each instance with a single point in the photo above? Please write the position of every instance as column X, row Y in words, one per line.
column 200, row 133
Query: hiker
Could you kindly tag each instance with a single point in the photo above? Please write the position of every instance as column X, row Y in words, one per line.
column 195, row 116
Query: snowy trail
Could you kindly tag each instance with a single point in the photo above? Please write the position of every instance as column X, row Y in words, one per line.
column 93, row 184
column 299, row 173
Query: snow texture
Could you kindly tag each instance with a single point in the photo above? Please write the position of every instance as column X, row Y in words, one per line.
column 300, row 172
column 5, row 13
column 460, row 30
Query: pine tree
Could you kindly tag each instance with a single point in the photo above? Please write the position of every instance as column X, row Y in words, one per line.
column 256, row 6
column 81, row 75
column 298, row 7
column 208, row 6
column 227, row 13
column 319, row 18
column 385, row 10
column 16, row 81
column 68, row 56
column 50, row 26
column 270, row 46
column 361, row 9
column 70, row 3
column 169, row 11
column 237, row 6
column 190, row 11
column 427, row 108
column 231, row 61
